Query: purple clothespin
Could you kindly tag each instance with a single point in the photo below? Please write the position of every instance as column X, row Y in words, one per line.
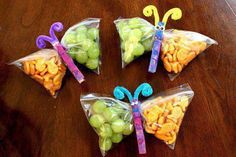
column 52, row 39
column 156, row 48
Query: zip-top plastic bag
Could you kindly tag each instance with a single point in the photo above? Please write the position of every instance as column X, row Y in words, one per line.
column 164, row 112
column 136, row 38
column 83, row 45
column 113, row 119
column 44, row 66
column 110, row 118
column 176, row 47
column 62, row 52
column 180, row 47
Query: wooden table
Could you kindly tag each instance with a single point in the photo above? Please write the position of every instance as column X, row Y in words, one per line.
column 34, row 124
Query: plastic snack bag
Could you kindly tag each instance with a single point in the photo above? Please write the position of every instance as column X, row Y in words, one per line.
column 44, row 66
column 163, row 113
column 180, row 47
column 176, row 47
column 83, row 45
column 110, row 118
column 53, row 40
column 136, row 38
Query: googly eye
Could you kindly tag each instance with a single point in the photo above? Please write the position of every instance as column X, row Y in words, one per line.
column 161, row 28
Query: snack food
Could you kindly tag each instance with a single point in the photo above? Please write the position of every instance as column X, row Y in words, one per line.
column 110, row 118
column 45, row 67
column 136, row 37
column 82, row 42
column 181, row 47
column 178, row 47
column 164, row 113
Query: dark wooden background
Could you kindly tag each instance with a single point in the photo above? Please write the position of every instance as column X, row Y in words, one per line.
column 34, row 124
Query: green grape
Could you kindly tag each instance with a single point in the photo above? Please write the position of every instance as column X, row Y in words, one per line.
column 72, row 52
column 124, row 32
column 105, row 131
column 128, row 129
column 99, row 106
column 147, row 44
column 81, row 57
column 94, row 51
column 93, row 33
column 96, row 120
column 128, row 57
column 121, row 24
column 116, row 138
column 138, row 49
column 105, row 144
column 86, row 44
column 81, row 29
column 126, row 115
column 129, row 46
column 135, row 35
column 147, row 31
column 135, row 23
column 110, row 115
column 118, row 126
column 128, row 54
column 70, row 38
column 92, row 63
column 81, row 37
column 119, row 111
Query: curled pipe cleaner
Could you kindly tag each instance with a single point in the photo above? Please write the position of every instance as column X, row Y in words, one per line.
column 175, row 14
column 146, row 90
column 52, row 39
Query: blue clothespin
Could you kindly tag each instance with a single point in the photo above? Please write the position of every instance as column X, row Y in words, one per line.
column 175, row 14
column 146, row 90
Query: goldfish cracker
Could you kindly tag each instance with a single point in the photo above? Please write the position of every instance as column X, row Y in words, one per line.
column 154, row 126
column 169, row 106
column 171, row 119
column 149, row 129
column 44, row 72
column 167, row 66
column 161, row 120
column 40, row 65
column 26, row 67
column 52, row 68
column 169, row 110
column 46, row 67
column 171, row 141
column 32, row 68
column 38, row 78
column 152, row 116
column 176, row 112
column 166, row 127
column 163, row 137
column 180, row 47
column 48, row 84
column 57, row 79
column 179, row 67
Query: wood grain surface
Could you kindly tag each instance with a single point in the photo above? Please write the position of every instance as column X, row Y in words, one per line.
column 33, row 124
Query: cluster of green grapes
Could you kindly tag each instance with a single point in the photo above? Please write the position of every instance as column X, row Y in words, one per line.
column 83, row 46
column 136, row 37
column 111, row 121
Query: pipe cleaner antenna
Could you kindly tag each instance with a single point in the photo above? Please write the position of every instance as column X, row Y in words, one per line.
column 146, row 90
column 52, row 39
column 148, row 11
